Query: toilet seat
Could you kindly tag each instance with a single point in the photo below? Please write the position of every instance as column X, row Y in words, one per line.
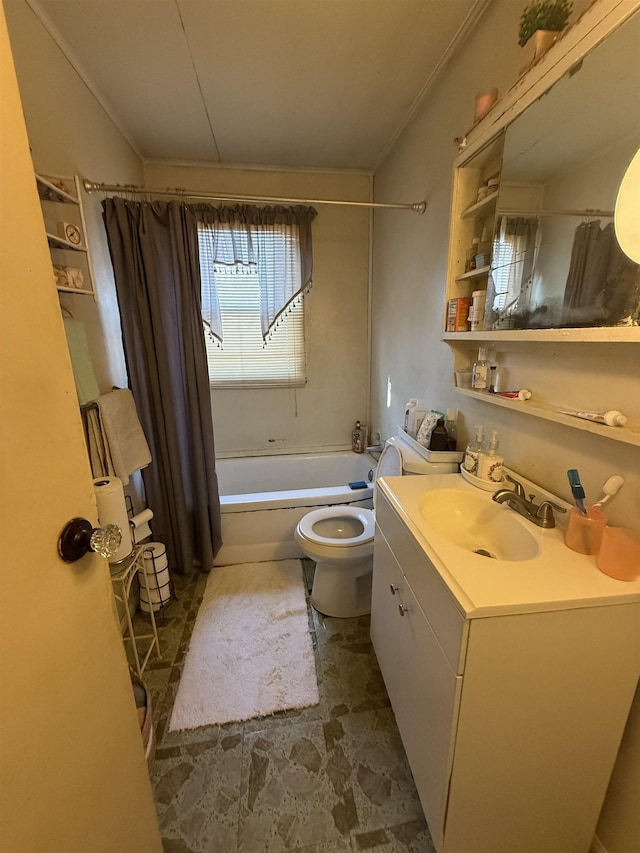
column 365, row 516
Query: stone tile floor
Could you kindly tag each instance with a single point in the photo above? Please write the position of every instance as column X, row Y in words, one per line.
column 325, row 779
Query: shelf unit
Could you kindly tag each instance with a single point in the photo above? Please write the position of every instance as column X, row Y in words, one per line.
column 594, row 368
column 61, row 202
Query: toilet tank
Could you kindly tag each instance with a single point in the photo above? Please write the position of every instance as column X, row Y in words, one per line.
column 416, row 459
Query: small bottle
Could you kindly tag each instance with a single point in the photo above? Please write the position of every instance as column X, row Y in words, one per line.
column 438, row 440
column 470, row 257
column 480, row 374
column 473, row 451
column 416, row 416
column 407, row 412
column 490, row 464
column 359, row 438
column 451, row 426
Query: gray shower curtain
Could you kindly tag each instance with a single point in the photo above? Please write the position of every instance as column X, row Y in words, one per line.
column 154, row 250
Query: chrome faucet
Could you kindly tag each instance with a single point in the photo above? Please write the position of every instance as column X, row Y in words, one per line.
column 540, row 514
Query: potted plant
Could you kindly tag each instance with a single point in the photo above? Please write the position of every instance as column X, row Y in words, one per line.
column 543, row 16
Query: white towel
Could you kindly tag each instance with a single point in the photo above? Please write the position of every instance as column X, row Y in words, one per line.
column 127, row 446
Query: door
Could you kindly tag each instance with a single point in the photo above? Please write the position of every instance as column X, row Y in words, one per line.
column 386, row 596
column 72, row 770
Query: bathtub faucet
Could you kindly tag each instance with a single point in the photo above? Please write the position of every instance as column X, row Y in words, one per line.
column 374, row 448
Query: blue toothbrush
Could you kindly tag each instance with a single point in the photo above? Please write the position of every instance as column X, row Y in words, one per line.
column 576, row 489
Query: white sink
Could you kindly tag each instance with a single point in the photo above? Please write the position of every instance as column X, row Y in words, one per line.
column 476, row 524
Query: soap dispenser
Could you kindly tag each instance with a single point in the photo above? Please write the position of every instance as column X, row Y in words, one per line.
column 359, row 438
column 473, row 451
column 490, row 464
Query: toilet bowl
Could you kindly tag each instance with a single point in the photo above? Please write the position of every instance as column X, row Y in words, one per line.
column 340, row 538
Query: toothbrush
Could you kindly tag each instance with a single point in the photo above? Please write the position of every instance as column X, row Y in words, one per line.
column 576, row 489
column 611, row 488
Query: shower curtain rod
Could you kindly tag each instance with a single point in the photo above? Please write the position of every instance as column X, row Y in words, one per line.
column 180, row 192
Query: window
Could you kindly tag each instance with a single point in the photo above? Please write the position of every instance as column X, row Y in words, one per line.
column 243, row 358
column 512, row 260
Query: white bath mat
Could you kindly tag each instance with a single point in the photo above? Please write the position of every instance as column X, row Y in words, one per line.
column 250, row 652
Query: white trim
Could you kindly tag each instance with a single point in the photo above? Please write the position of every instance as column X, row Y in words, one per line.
column 253, row 167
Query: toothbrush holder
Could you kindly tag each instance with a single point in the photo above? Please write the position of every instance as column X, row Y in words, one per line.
column 619, row 555
column 584, row 532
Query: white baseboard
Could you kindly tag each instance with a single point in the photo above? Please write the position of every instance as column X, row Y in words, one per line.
column 597, row 846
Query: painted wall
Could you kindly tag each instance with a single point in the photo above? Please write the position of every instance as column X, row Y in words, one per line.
column 322, row 414
column 69, row 133
column 410, row 360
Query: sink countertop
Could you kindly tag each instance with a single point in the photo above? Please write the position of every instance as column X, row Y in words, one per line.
column 556, row 579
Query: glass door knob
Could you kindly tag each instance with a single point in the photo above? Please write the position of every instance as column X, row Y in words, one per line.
column 79, row 537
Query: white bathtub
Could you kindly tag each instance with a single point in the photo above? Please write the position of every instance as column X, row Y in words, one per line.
column 263, row 498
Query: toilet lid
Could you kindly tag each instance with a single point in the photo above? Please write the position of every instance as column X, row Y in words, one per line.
column 354, row 524
column 390, row 464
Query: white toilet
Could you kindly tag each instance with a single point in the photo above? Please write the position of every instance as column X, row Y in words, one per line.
column 340, row 538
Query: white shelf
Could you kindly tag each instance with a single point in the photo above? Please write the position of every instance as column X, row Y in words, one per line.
column 62, row 289
column 48, row 191
column 626, row 434
column 473, row 274
column 604, row 334
column 59, row 206
column 480, row 207
column 56, row 242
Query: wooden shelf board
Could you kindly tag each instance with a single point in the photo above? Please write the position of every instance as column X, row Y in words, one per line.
column 604, row 334
column 626, row 434
column 473, row 274
column 60, row 243
column 74, row 290
column 480, row 206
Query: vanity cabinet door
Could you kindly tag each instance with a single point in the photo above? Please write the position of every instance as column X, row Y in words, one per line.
column 428, row 697
column 385, row 617
column 423, row 687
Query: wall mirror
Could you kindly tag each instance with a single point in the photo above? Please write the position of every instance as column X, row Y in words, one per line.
column 556, row 262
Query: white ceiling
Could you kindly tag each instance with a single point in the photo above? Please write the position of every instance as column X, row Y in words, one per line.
column 301, row 83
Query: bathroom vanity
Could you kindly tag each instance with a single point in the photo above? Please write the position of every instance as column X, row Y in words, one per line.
column 511, row 679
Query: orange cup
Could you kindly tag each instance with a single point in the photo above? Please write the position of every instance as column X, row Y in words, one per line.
column 584, row 532
column 619, row 554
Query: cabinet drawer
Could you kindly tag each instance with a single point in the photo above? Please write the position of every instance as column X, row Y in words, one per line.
column 446, row 619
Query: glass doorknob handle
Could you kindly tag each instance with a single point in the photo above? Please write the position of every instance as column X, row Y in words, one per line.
column 79, row 537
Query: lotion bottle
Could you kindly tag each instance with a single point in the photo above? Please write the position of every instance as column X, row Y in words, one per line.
column 473, row 451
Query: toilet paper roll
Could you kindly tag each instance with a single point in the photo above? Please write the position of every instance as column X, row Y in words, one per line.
column 140, row 529
column 155, row 581
column 113, row 510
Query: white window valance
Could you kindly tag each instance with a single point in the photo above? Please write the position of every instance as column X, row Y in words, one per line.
column 275, row 241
